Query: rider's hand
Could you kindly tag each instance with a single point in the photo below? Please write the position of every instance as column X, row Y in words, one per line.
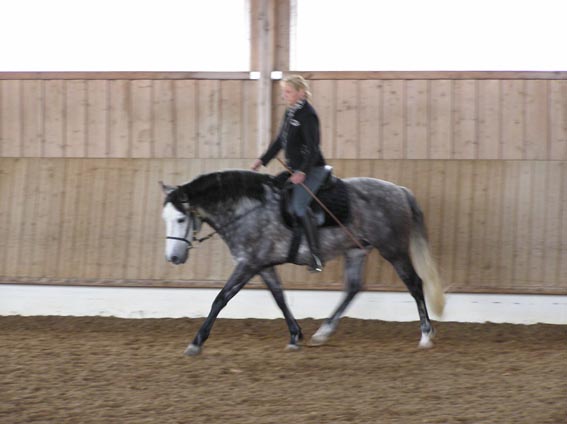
column 297, row 177
column 256, row 165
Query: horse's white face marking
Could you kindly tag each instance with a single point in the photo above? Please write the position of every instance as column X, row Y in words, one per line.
column 177, row 224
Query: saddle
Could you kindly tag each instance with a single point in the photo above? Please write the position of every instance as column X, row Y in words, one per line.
column 333, row 194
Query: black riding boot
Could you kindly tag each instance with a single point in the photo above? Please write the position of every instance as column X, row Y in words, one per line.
column 310, row 229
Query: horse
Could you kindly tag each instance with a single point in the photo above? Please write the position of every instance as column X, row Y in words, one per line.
column 244, row 208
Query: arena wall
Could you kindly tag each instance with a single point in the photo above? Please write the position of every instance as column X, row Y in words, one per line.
column 81, row 155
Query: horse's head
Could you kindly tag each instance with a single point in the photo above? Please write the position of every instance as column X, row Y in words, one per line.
column 180, row 224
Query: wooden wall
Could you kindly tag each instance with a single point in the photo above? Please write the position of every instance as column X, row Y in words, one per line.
column 371, row 119
column 443, row 119
column 80, row 160
column 128, row 118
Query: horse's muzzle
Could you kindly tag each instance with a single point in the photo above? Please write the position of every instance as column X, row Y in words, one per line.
column 178, row 254
column 177, row 259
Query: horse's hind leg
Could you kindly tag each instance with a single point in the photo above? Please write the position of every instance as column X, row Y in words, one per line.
column 354, row 267
column 406, row 271
column 271, row 278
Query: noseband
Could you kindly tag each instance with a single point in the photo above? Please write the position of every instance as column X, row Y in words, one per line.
column 189, row 244
column 191, row 215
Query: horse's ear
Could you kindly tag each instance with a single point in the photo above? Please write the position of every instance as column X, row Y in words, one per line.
column 167, row 189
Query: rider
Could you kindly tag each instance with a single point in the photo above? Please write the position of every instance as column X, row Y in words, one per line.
column 299, row 138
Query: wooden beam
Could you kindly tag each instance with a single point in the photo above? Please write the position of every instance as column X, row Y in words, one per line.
column 281, row 66
column 282, row 35
column 263, row 15
column 217, row 284
column 432, row 75
column 124, row 75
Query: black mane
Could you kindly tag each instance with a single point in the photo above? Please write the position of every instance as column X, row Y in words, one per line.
column 226, row 186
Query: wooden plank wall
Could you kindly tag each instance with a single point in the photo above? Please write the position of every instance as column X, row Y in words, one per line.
column 160, row 118
column 380, row 119
column 80, row 161
column 442, row 119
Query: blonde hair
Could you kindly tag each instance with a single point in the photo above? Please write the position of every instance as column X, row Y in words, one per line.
column 299, row 83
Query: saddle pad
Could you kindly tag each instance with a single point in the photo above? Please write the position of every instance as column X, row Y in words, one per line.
column 335, row 198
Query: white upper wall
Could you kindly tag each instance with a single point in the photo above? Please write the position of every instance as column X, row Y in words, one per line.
column 124, row 35
column 326, row 35
column 429, row 35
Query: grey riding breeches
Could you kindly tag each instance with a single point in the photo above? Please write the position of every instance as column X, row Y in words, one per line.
column 300, row 197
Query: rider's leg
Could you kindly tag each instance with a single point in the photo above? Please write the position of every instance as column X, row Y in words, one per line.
column 300, row 204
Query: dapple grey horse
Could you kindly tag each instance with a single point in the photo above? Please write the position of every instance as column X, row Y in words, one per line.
column 243, row 207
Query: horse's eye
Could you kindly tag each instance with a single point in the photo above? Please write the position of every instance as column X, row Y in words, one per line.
column 181, row 220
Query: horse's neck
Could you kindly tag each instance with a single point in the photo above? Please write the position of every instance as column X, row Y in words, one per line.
column 223, row 214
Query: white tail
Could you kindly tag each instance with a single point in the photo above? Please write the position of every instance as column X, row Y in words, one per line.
column 427, row 270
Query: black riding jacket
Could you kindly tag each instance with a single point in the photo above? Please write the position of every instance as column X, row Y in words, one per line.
column 299, row 137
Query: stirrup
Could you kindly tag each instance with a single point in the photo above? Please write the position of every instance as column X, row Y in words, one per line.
column 317, row 265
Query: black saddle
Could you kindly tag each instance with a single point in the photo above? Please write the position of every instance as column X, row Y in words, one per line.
column 333, row 194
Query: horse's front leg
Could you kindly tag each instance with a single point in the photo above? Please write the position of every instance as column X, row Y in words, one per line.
column 240, row 276
column 272, row 280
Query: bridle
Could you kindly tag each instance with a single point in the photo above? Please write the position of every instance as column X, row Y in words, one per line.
column 193, row 214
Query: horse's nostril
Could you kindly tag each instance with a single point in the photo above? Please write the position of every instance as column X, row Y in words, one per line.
column 174, row 259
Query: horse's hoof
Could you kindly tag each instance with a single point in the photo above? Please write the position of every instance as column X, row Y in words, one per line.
column 425, row 343
column 292, row 347
column 192, row 350
column 318, row 340
column 322, row 335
